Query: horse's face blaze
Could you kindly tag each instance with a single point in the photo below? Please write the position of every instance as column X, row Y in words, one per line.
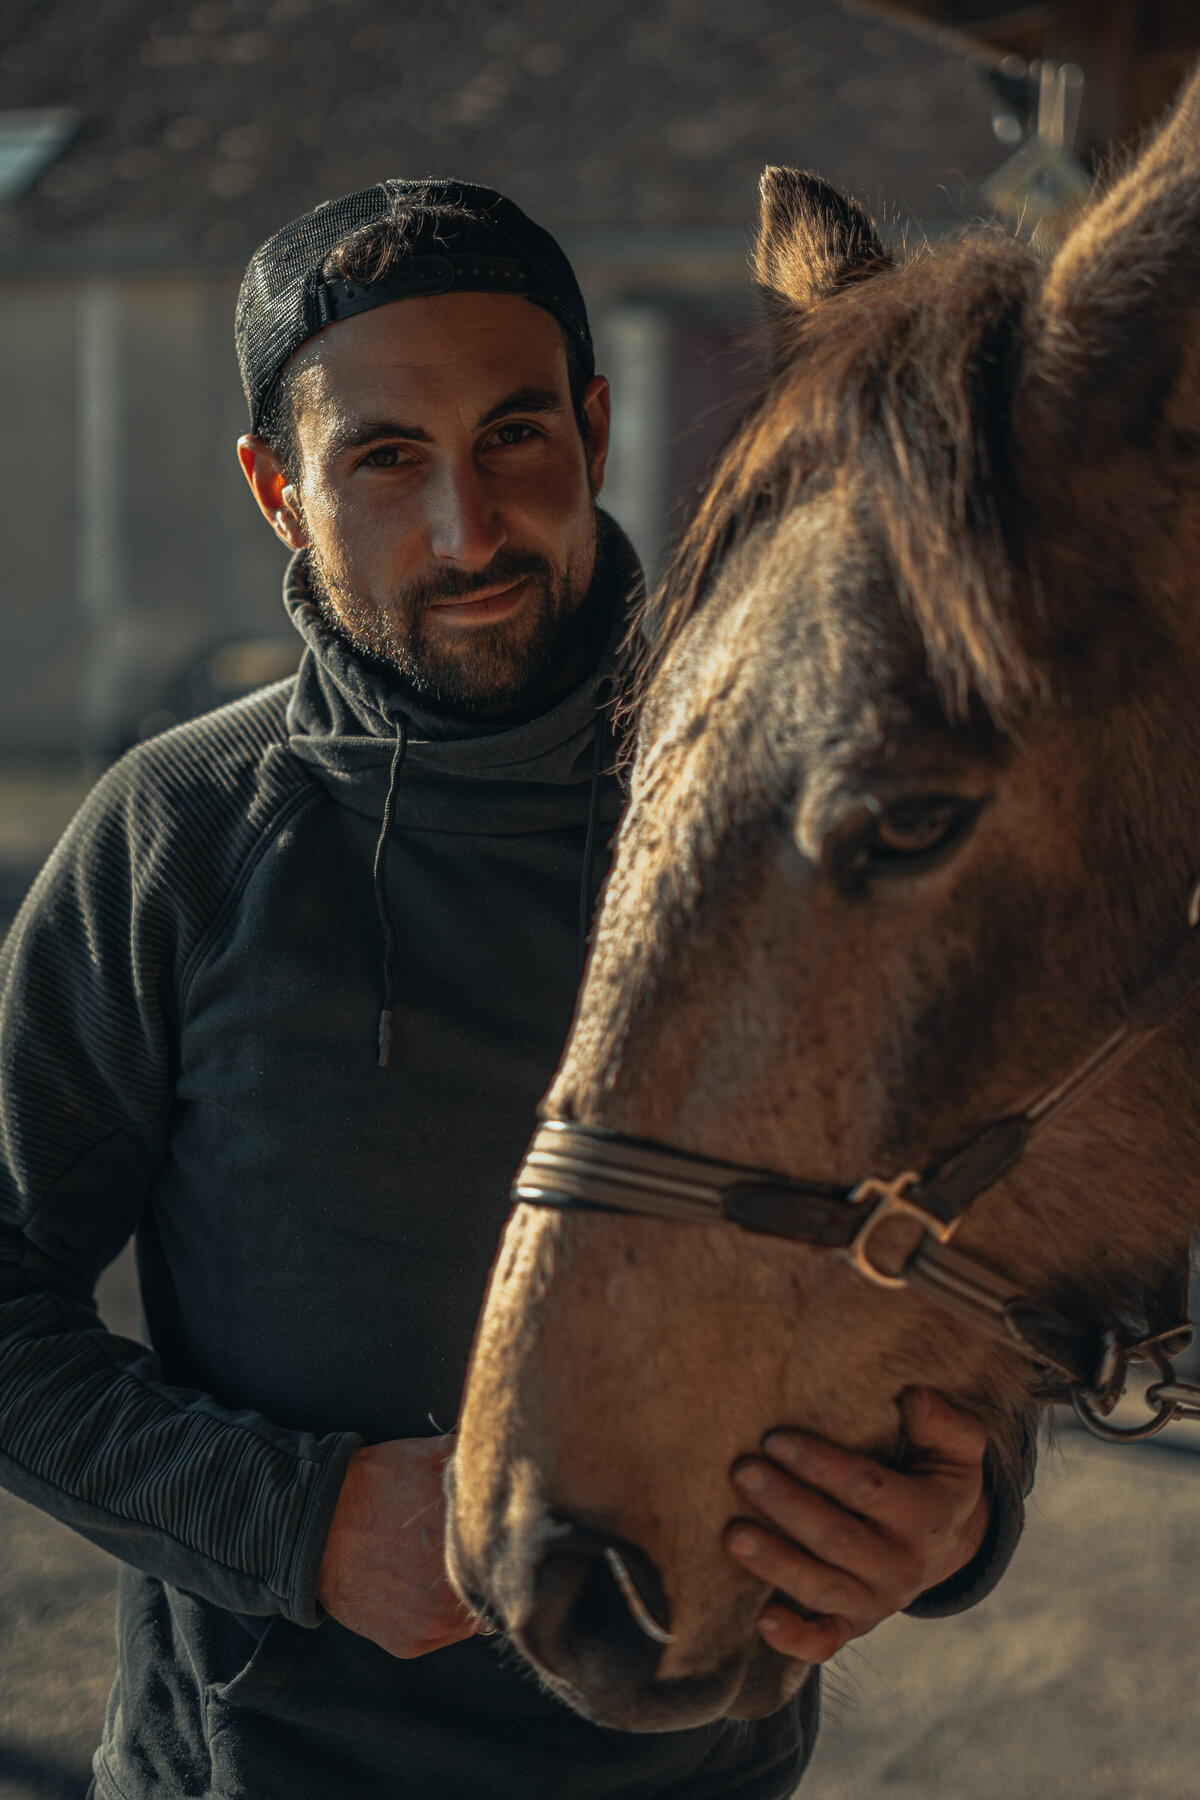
column 906, row 828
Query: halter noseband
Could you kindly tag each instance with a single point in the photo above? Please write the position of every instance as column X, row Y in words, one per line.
column 589, row 1168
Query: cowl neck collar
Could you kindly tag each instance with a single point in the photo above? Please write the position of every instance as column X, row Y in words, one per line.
column 458, row 776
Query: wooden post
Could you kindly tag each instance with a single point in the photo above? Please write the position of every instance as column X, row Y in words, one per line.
column 1104, row 38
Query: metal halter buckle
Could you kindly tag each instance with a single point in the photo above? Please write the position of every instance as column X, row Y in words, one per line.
column 891, row 1200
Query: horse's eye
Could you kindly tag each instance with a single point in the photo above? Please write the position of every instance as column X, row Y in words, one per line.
column 903, row 838
column 917, row 827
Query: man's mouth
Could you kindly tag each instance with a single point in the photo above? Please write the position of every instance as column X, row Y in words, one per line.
column 483, row 606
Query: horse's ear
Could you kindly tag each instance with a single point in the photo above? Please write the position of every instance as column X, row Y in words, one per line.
column 1116, row 322
column 811, row 238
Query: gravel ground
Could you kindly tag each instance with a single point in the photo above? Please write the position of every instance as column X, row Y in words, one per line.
column 1075, row 1679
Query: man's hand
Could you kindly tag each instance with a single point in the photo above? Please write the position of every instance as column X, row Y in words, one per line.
column 383, row 1573
column 857, row 1541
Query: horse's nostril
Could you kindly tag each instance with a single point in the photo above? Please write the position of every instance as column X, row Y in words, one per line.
column 489, row 1620
column 581, row 1626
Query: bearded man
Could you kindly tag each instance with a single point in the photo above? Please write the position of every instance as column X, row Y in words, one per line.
column 281, row 1006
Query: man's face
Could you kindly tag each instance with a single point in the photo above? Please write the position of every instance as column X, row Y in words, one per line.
column 445, row 493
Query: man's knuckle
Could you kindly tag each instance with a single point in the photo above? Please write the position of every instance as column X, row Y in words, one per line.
column 818, row 1463
column 940, row 1522
column 867, row 1489
column 841, row 1542
column 908, row 1572
column 835, row 1597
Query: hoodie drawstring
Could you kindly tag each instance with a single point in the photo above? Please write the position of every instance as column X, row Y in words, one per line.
column 586, row 897
column 381, row 899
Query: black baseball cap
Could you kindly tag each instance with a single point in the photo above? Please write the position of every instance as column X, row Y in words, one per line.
column 488, row 247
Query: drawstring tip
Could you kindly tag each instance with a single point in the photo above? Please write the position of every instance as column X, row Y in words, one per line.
column 385, row 1037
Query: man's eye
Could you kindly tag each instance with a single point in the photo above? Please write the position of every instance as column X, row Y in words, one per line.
column 512, row 434
column 385, row 457
column 903, row 838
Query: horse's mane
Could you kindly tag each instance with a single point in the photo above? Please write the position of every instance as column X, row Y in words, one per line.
column 909, row 375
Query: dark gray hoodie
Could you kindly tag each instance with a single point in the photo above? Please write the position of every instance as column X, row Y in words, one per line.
column 188, row 1014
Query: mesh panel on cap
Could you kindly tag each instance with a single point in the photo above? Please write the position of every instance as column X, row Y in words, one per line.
column 273, row 308
column 277, row 306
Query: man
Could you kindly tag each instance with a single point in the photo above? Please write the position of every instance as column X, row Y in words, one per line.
column 282, row 1004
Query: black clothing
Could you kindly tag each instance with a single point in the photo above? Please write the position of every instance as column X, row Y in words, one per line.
column 188, row 1007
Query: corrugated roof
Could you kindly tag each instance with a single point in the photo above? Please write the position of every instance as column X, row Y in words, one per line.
column 206, row 125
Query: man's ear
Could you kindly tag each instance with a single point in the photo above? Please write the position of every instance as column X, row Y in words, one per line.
column 272, row 487
column 811, row 239
column 1114, row 335
column 596, row 410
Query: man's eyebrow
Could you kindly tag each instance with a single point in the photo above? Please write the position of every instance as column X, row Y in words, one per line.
column 375, row 431
column 523, row 400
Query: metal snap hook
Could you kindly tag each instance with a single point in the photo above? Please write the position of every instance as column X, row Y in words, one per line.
column 1086, row 1400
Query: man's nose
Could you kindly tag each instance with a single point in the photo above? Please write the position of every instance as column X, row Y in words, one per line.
column 465, row 524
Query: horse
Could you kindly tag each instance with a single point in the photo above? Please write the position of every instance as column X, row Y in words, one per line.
column 913, row 820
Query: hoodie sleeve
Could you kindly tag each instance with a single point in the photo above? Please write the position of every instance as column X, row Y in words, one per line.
column 222, row 1503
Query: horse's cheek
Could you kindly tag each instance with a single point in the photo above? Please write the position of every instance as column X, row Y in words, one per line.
column 493, row 1476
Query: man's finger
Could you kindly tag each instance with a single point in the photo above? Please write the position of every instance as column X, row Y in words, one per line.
column 856, row 1482
column 802, row 1577
column 946, row 1457
column 808, row 1640
column 818, row 1524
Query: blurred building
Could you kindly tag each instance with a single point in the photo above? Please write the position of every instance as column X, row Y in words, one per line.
column 145, row 149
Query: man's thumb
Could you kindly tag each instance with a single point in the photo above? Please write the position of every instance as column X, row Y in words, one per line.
column 940, row 1433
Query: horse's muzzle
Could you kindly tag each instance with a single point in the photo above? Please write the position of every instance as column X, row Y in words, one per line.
column 564, row 1610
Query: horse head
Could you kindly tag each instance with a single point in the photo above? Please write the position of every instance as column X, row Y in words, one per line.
column 914, row 812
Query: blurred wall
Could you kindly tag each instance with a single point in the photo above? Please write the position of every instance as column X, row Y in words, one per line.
column 41, row 644
column 131, row 542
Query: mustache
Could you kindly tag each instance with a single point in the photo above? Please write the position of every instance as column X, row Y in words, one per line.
column 505, row 568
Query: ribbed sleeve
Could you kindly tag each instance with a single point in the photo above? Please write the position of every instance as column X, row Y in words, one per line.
column 93, row 980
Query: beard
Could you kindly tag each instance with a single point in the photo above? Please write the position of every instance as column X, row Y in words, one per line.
column 492, row 667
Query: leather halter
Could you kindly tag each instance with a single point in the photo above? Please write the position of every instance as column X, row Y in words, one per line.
column 587, row 1167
